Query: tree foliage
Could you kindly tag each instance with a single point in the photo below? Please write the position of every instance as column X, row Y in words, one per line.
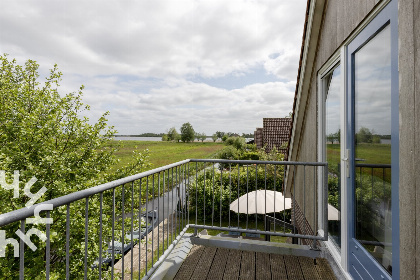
column 187, row 132
column 364, row 135
column 173, row 135
column 43, row 135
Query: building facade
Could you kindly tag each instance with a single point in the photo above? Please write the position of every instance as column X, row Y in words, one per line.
column 357, row 107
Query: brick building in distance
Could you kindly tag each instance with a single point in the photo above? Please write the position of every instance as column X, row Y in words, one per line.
column 274, row 133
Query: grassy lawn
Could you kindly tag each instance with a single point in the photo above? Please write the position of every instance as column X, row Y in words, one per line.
column 164, row 153
column 369, row 153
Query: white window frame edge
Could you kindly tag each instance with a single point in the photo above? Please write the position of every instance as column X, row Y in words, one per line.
column 336, row 58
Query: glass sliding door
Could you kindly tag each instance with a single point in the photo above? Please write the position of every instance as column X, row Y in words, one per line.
column 332, row 92
column 372, row 147
column 372, row 142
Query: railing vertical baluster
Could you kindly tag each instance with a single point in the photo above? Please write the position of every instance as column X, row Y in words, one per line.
column 256, row 200
column 122, row 233
column 284, row 198
column 383, row 181
column 181, row 218
column 230, row 189
column 86, row 232
column 100, row 235
column 238, row 191
column 247, row 191
column 325, row 198
column 371, row 199
column 204, row 194
column 67, row 242
column 265, row 196
column 177, row 201
column 153, row 207
column 47, row 249
column 140, row 226
column 132, row 228
column 315, row 223
column 184, row 196
column 147, row 211
column 113, row 234
column 167, row 224
column 294, row 198
column 221, row 194
column 173, row 208
column 22, row 252
column 275, row 190
column 163, row 210
column 163, row 218
column 188, row 185
column 212, row 209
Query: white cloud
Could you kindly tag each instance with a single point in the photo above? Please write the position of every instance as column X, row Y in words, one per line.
column 136, row 58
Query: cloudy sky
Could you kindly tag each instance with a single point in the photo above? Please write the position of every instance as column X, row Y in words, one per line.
column 155, row 64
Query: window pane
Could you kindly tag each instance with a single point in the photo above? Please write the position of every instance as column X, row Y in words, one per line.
column 332, row 140
column 372, row 66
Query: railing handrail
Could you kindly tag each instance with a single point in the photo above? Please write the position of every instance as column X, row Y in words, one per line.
column 260, row 162
column 27, row 212
column 371, row 165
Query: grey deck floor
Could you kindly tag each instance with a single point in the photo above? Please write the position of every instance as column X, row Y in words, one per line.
column 222, row 263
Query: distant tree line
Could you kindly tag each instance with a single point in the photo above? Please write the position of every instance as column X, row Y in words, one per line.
column 188, row 134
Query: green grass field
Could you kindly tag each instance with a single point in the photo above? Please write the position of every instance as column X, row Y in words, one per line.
column 369, row 153
column 164, row 153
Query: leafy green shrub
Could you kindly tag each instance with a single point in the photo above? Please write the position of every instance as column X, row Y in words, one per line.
column 227, row 186
column 237, row 142
column 43, row 135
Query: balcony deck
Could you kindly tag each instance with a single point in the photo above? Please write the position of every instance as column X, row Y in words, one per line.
column 222, row 263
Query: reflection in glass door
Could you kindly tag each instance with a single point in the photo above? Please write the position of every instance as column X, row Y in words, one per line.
column 332, row 83
column 370, row 149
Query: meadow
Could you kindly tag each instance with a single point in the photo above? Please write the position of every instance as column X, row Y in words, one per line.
column 366, row 153
column 164, row 153
column 370, row 153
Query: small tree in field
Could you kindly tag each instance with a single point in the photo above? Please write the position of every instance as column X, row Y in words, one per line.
column 173, row 134
column 214, row 137
column 187, row 132
column 203, row 137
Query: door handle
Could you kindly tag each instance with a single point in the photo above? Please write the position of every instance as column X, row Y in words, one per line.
column 346, row 160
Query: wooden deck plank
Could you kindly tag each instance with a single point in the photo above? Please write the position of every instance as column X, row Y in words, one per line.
column 233, row 265
column 219, row 263
column 222, row 263
column 262, row 266
column 324, row 269
column 247, row 265
column 203, row 266
column 309, row 268
column 190, row 263
column 278, row 268
column 293, row 269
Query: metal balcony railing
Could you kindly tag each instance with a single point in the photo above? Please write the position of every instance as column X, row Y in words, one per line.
column 144, row 216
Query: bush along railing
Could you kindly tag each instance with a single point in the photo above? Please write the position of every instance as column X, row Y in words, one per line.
column 373, row 204
column 126, row 228
column 212, row 196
